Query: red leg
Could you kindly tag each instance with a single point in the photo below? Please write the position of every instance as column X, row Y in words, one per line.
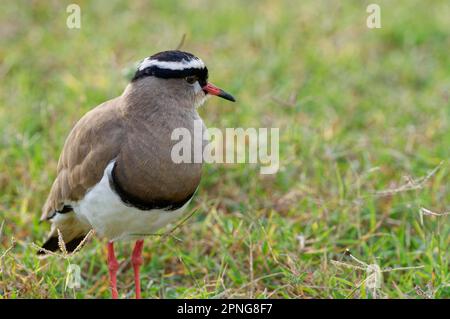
column 113, row 265
column 136, row 260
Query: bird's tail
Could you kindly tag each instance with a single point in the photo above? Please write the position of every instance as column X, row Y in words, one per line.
column 71, row 230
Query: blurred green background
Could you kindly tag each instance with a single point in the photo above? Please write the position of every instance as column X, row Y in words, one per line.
column 363, row 115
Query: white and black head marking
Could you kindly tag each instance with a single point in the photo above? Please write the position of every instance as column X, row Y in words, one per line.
column 181, row 65
column 173, row 65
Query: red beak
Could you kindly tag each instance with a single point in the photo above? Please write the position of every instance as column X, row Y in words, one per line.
column 214, row 90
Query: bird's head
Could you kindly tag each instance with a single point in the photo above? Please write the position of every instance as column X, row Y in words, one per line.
column 185, row 71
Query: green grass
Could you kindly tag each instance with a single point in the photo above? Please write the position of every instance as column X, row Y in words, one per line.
column 358, row 110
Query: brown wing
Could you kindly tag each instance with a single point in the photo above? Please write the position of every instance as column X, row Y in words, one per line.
column 91, row 145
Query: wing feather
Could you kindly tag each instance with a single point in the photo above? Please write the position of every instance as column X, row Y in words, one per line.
column 93, row 142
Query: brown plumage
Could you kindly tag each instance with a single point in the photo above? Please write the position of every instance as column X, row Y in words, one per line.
column 135, row 129
column 116, row 174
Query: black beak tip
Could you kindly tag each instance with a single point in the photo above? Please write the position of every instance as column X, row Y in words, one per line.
column 232, row 99
column 227, row 96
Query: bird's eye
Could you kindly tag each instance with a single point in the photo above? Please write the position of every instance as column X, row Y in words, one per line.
column 191, row 79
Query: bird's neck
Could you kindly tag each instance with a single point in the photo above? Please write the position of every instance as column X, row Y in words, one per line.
column 149, row 96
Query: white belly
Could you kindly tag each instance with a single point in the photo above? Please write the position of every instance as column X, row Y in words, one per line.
column 109, row 217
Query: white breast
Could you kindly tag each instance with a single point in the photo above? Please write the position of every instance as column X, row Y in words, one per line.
column 102, row 208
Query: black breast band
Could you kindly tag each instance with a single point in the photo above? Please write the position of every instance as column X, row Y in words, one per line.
column 133, row 201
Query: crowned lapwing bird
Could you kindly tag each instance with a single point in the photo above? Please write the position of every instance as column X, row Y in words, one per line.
column 116, row 174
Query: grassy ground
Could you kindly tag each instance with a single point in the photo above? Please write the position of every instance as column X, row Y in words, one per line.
column 364, row 118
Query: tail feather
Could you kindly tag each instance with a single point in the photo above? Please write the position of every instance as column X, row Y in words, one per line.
column 52, row 244
column 72, row 230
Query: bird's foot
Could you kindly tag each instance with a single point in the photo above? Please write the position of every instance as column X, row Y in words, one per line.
column 136, row 260
column 113, row 266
